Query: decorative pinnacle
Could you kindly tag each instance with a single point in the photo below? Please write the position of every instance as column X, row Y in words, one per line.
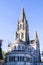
column 35, row 35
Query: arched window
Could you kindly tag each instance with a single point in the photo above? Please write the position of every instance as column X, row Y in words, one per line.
column 14, row 58
column 18, row 47
column 22, row 35
column 17, row 35
column 6, row 59
column 14, row 47
column 18, row 58
column 18, row 26
column 21, row 26
column 21, row 58
column 11, row 59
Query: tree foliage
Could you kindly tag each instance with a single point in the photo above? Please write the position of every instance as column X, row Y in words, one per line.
column 1, row 55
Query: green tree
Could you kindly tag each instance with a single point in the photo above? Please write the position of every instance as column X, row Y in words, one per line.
column 1, row 55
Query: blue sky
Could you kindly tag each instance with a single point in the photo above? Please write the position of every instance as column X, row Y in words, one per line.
column 10, row 13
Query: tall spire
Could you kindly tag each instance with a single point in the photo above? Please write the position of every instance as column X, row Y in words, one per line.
column 22, row 15
column 22, row 27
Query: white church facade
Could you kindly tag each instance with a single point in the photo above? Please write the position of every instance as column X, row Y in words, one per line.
column 23, row 51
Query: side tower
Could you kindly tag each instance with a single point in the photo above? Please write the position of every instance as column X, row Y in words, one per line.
column 22, row 27
column 37, row 47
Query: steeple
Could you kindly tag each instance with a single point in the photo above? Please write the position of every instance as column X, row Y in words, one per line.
column 36, row 39
column 35, row 36
column 37, row 45
column 22, row 27
column 22, row 14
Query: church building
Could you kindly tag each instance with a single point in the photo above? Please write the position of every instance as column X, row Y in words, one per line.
column 23, row 51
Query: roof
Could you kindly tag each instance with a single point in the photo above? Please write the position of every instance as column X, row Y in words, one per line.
column 32, row 41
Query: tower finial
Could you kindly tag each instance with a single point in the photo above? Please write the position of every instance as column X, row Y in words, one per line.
column 35, row 35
